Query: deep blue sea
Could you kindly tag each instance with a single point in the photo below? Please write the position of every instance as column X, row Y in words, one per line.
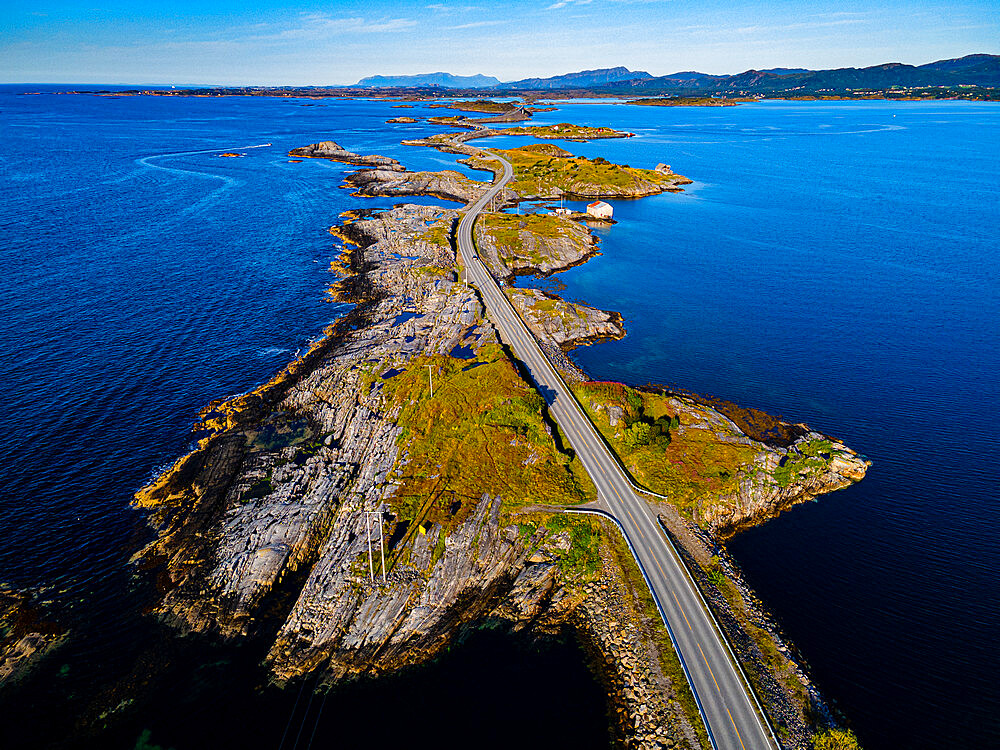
column 835, row 263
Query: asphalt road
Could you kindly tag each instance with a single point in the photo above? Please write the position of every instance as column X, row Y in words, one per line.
column 726, row 707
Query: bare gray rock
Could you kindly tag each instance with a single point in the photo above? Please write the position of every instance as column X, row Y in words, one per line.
column 335, row 152
column 567, row 324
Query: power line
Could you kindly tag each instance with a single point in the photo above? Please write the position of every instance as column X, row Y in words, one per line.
column 294, row 709
column 302, row 726
column 318, row 715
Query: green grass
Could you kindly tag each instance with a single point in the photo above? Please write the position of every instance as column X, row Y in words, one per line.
column 483, row 432
column 804, row 459
column 694, row 467
column 583, row 558
column 538, row 172
column 509, row 231
column 689, row 101
column 836, row 739
column 565, row 130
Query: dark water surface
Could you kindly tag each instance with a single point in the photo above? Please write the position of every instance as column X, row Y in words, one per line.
column 834, row 262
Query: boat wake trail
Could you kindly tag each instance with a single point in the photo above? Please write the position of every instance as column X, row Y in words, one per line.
column 227, row 181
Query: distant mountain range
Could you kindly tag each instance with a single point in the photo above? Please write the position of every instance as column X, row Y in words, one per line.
column 583, row 79
column 971, row 70
column 422, row 80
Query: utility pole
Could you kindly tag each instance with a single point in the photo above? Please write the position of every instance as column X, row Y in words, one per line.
column 381, row 544
column 368, row 528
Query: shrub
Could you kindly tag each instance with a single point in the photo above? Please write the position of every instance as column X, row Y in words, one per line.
column 836, row 739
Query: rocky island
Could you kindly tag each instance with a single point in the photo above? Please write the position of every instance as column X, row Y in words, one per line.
column 409, row 423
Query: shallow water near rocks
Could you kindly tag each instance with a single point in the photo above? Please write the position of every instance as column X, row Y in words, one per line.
column 833, row 263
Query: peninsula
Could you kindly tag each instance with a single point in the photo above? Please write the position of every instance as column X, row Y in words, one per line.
column 413, row 422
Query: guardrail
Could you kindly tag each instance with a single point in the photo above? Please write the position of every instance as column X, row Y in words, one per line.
column 718, row 629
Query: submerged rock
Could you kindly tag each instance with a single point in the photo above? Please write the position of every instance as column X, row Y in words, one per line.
column 26, row 634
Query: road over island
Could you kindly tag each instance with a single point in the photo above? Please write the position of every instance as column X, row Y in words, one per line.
column 726, row 707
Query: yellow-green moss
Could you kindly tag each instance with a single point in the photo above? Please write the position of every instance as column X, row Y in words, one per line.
column 508, row 232
column 538, row 172
column 693, row 467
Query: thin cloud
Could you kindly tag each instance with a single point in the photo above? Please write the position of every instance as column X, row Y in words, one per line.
column 477, row 24
column 322, row 23
column 565, row 3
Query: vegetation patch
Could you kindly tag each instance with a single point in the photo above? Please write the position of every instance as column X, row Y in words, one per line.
column 526, row 240
column 582, row 557
column 544, row 172
column 690, row 463
column 803, row 459
column 482, row 105
column 688, row 101
column 566, row 130
column 836, row 739
column 482, row 432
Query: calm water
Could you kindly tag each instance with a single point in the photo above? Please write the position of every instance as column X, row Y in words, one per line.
column 834, row 263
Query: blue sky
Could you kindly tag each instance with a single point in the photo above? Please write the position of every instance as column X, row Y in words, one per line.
column 266, row 42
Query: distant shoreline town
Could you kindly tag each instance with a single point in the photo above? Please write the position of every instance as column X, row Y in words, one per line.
column 973, row 77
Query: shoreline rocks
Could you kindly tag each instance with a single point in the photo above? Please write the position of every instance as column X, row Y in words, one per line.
column 567, row 324
column 450, row 185
column 26, row 634
column 334, row 152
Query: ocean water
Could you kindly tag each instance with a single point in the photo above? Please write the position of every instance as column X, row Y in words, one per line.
column 833, row 262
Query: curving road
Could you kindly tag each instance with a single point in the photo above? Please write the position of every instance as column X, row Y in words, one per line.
column 726, row 707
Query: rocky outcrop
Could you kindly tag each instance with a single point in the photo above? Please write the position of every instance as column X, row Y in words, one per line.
column 777, row 477
column 335, row 152
column 26, row 634
column 567, row 324
column 532, row 244
column 726, row 475
column 402, row 119
column 450, row 185
column 270, row 516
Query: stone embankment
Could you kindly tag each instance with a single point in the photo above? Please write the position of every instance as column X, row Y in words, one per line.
column 646, row 712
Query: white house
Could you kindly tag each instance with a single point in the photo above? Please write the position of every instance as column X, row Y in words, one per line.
column 600, row 210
